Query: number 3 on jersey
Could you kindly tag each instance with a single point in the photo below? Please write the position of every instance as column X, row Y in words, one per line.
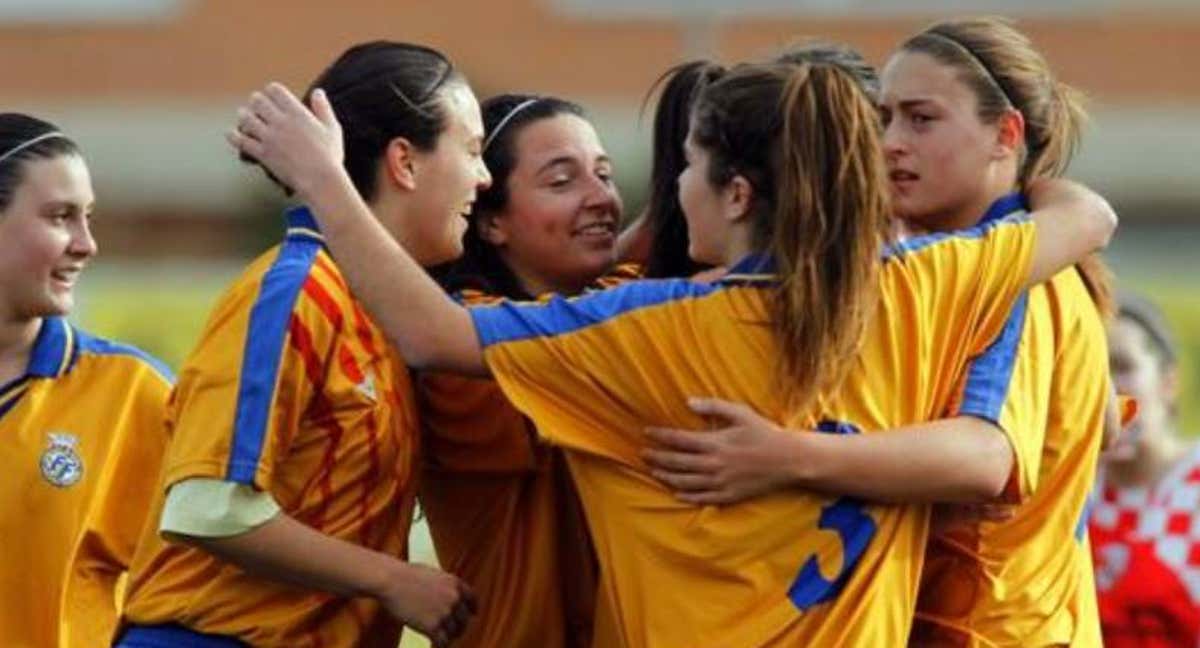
column 854, row 528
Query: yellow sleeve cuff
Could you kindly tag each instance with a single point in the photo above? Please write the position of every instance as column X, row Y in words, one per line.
column 214, row 508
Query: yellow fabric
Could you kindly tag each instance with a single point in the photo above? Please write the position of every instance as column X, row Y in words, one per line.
column 1026, row 581
column 215, row 508
column 337, row 452
column 503, row 512
column 592, row 373
column 94, row 425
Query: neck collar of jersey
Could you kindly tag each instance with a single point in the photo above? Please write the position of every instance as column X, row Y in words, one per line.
column 1005, row 205
column 753, row 268
column 301, row 224
column 55, row 349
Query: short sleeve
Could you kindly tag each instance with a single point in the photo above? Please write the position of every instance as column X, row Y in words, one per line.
column 1009, row 385
column 951, row 295
column 246, row 387
column 215, row 508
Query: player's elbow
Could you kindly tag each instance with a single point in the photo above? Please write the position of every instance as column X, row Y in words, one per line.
column 1102, row 222
column 425, row 351
column 418, row 352
column 992, row 467
column 436, row 351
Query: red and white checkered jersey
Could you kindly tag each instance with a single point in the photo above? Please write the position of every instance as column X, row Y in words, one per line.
column 1146, row 547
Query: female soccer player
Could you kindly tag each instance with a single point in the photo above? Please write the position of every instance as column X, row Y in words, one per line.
column 290, row 478
column 81, row 417
column 500, row 505
column 658, row 238
column 786, row 185
column 1143, row 529
column 973, row 116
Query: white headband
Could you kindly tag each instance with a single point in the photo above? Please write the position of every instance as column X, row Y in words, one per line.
column 26, row 144
column 504, row 122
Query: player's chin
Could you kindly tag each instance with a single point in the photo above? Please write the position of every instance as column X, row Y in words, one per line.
column 56, row 303
column 450, row 250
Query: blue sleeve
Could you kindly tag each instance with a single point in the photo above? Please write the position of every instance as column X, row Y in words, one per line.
column 513, row 321
column 990, row 373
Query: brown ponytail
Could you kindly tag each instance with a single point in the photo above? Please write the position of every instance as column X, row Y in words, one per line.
column 828, row 236
column 1053, row 141
column 806, row 136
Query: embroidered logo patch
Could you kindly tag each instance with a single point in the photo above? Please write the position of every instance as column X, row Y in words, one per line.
column 61, row 464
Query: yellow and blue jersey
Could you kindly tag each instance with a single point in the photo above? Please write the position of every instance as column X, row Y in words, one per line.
column 790, row 568
column 293, row 390
column 503, row 511
column 1027, row 581
column 83, row 441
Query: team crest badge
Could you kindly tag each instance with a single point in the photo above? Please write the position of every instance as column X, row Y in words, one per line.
column 61, row 464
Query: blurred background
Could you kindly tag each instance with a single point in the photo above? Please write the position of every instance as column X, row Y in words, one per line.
column 148, row 87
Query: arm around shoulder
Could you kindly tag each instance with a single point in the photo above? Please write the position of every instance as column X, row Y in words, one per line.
column 1072, row 222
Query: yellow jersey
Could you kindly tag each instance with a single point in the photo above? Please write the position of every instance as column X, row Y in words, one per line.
column 294, row 390
column 503, row 516
column 1028, row 581
column 83, row 442
column 503, row 511
column 790, row 568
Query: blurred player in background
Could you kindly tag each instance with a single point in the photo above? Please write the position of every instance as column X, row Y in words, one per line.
column 1145, row 528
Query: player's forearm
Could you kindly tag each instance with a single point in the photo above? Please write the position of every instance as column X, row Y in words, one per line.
column 951, row 460
column 1072, row 222
column 285, row 550
column 429, row 329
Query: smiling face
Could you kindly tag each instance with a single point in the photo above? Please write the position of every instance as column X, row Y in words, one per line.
column 45, row 238
column 446, row 180
column 558, row 230
column 942, row 159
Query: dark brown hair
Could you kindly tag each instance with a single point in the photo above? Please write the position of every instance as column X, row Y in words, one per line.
column 17, row 130
column 481, row 266
column 669, row 248
column 382, row 90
